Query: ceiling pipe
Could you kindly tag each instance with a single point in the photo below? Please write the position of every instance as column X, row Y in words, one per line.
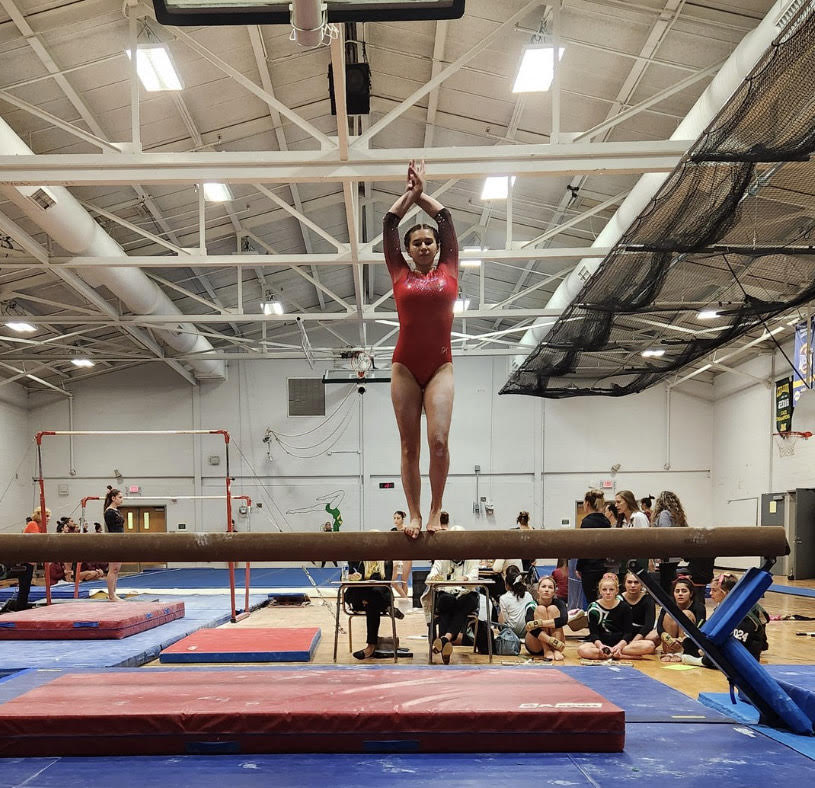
column 73, row 228
column 740, row 63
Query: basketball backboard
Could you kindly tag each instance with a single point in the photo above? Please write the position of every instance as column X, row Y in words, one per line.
column 276, row 12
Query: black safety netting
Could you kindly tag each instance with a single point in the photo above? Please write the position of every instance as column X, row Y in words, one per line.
column 731, row 229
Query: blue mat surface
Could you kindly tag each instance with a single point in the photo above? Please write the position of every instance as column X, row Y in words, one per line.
column 688, row 754
column 747, row 714
column 200, row 611
column 793, row 590
column 60, row 591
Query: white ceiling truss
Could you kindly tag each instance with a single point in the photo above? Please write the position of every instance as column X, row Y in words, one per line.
column 310, row 188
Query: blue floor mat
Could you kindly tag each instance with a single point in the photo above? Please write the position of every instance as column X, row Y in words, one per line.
column 689, row 754
column 793, row 590
column 65, row 591
column 747, row 714
column 200, row 611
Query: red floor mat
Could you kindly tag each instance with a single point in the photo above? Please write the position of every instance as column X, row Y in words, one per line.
column 310, row 710
column 245, row 644
column 87, row 620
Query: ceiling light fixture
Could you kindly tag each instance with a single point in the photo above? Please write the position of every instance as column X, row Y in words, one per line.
column 537, row 69
column 217, row 192
column 82, row 362
column 272, row 308
column 496, row 187
column 464, row 263
column 707, row 314
column 650, row 353
column 21, row 328
column 155, row 68
column 461, row 305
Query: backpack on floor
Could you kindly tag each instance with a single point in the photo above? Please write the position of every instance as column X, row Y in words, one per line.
column 507, row 643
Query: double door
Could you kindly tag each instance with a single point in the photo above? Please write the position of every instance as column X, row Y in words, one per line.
column 143, row 520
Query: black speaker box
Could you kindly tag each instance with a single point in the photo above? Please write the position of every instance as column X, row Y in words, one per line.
column 357, row 88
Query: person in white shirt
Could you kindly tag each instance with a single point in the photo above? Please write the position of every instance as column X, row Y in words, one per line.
column 513, row 604
column 632, row 517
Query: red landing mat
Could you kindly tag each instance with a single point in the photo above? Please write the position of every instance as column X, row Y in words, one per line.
column 167, row 712
column 87, row 620
column 245, row 644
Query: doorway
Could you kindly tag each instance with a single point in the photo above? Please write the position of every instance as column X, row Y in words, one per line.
column 144, row 520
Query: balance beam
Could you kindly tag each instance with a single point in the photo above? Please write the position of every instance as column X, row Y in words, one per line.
column 766, row 541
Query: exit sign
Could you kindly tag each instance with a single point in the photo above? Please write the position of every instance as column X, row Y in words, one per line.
column 387, row 485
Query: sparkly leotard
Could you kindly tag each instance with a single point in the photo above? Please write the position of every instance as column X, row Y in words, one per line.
column 424, row 302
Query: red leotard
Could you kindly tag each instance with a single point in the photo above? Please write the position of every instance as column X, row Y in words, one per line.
column 424, row 302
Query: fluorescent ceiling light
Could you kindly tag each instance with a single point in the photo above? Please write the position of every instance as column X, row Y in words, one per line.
column 471, row 263
column 461, row 304
column 272, row 308
column 20, row 328
column 388, row 323
column 537, row 69
column 217, row 192
column 82, row 362
column 707, row 314
column 496, row 187
column 155, row 68
column 653, row 353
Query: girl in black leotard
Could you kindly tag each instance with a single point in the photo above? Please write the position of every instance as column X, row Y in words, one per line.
column 609, row 623
column 671, row 634
column 116, row 525
column 642, row 619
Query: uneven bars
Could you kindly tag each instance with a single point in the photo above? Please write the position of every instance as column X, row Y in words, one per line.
column 765, row 541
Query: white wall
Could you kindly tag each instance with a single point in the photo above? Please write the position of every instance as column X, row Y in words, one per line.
column 16, row 459
column 533, row 454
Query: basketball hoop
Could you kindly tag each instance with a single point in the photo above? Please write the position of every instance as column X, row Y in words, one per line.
column 786, row 441
column 361, row 362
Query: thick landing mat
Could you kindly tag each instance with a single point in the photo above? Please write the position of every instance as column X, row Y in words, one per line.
column 664, row 756
column 199, row 611
column 307, row 710
column 88, row 620
column 245, row 644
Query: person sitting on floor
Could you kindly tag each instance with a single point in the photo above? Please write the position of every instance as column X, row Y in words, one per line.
column 670, row 633
column 513, row 604
column 544, row 626
column 561, row 576
column 374, row 601
column 643, row 614
column 453, row 603
column 751, row 631
column 610, row 627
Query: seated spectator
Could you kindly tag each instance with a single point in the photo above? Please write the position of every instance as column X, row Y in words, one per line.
column 673, row 637
column 401, row 569
column 561, row 576
column 700, row 571
column 751, row 631
column 544, row 626
column 513, row 604
column 453, row 603
column 610, row 627
column 643, row 614
column 372, row 600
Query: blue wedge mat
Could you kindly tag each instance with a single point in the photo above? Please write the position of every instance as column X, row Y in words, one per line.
column 793, row 590
column 200, row 611
column 673, row 755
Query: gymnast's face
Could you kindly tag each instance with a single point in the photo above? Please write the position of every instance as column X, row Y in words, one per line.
column 546, row 591
column 423, row 248
column 398, row 520
column 633, row 585
column 717, row 593
column 608, row 590
column 682, row 595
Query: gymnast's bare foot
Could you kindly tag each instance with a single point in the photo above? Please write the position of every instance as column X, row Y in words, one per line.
column 414, row 527
column 434, row 521
column 115, row 598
